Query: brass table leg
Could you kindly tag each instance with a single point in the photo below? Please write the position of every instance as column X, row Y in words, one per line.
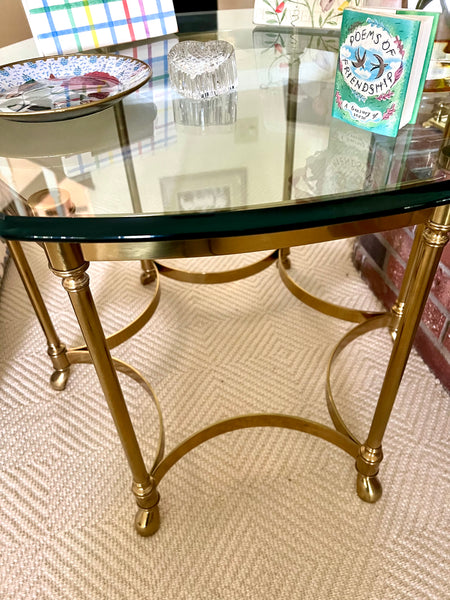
column 148, row 272
column 67, row 262
column 424, row 262
column 408, row 279
column 283, row 257
column 55, row 349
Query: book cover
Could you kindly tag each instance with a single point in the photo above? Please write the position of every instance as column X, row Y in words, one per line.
column 375, row 62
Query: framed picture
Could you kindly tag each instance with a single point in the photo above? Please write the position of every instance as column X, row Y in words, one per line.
column 214, row 190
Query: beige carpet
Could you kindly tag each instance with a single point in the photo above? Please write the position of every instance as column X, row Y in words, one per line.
column 263, row 514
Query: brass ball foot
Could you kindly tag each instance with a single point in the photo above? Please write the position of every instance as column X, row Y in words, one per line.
column 147, row 521
column 369, row 488
column 59, row 379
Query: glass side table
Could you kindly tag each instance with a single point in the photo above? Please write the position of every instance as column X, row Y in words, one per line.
column 285, row 175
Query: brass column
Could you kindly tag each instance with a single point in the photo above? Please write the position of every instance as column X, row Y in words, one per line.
column 67, row 262
column 425, row 260
column 408, row 279
column 55, row 349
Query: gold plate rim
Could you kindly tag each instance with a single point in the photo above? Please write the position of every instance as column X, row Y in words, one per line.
column 59, row 114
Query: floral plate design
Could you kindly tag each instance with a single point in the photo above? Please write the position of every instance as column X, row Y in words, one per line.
column 64, row 87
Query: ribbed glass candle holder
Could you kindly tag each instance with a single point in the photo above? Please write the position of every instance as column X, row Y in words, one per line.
column 202, row 69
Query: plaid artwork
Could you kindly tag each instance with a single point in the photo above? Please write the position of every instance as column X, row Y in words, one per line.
column 62, row 26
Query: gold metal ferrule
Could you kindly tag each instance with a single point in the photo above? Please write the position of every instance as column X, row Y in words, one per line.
column 368, row 460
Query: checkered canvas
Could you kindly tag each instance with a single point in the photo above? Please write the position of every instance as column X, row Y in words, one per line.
column 62, row 26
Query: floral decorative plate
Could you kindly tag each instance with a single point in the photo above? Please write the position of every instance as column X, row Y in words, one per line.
column 63, row 87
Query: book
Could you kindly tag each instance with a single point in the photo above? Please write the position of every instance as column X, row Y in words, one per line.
column 383, row 63
column 308, row 14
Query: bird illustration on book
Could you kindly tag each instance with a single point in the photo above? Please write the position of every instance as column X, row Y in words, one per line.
column 360, row 65
column 380, row 66
column 360, row 60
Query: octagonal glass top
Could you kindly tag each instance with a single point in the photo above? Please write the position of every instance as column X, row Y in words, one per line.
column 264, row 156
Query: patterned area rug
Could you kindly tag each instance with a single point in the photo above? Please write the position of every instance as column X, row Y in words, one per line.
column 253, row 514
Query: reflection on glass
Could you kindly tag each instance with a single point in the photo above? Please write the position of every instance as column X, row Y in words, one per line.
column 340, row 167
column 213, row 111
column 51, row 203
column 210, row 190
column 444, row 153
column 206, row 199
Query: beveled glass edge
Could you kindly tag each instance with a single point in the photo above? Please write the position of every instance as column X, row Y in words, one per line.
column 191, row 226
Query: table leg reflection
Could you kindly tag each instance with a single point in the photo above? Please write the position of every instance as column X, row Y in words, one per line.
column 148, row 269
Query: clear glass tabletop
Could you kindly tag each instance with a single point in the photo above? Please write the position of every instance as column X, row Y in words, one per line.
column 266, row 157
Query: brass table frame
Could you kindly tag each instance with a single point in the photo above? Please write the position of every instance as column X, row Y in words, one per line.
column 70, row 262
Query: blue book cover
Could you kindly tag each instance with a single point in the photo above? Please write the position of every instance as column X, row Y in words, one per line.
column 380, row 66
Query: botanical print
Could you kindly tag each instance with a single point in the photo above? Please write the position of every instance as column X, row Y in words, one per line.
column 278, row 50
column 277, row 12
column 323, row 14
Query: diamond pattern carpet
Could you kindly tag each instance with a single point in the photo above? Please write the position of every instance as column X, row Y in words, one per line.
column 254, row 514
